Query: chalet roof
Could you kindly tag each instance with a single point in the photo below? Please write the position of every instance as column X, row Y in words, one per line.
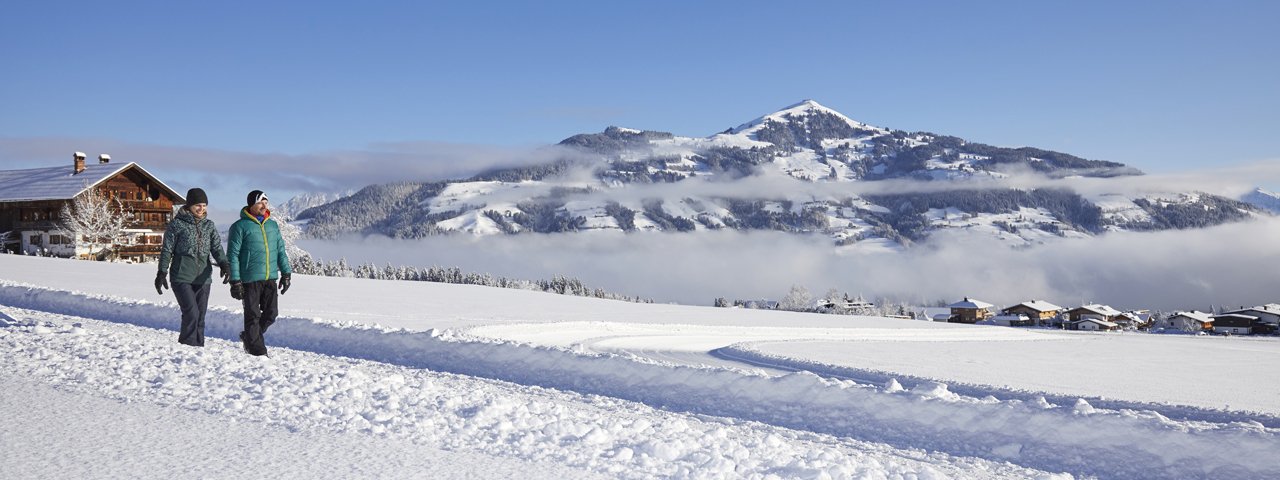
column 1201, row 317
column 1256, row 310
column 970, row 303
column 1038, row 305
column 59, row 183
column 1131, row 316
column 1099, row 309
column 1235, row 316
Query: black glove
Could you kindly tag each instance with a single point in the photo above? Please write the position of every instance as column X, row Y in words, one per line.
column 284, row 283
column 224, row 271
column 237, row 290
column 161, row 282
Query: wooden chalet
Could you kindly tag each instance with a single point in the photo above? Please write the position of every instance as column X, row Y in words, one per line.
column 969, row 311
column 1234, row 324
column 1266, row 314
column 31, row 202
column 1038, row 311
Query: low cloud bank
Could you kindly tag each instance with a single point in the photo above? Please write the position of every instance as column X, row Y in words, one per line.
column 1228, row 265
column 290, row 173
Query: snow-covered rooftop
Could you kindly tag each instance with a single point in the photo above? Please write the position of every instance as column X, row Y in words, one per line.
column 1039, row 306
column 1100, row 309
column 61, row 183
column 1235, row 315
column 1201, row 317
column 970, row 303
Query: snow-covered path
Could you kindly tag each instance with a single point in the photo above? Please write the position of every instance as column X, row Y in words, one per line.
column 75, row 387
column 590, row 400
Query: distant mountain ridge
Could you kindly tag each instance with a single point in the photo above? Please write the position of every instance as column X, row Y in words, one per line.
column 806, row 142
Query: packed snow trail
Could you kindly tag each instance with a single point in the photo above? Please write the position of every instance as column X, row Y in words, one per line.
column 391, row 412
column 750, row 355
column 1077, row 438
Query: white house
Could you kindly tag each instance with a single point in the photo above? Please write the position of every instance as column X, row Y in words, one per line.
column 1192, row 321
column 1094, row 325
column 1010, row 320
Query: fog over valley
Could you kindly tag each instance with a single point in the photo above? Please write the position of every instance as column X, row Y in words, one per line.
column 1166, row 270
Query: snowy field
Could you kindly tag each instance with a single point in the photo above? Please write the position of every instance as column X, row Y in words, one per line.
column 406, row 379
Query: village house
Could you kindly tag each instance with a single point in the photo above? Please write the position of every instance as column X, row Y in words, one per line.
column 1039, row 312
column 1233, row 324
column 1133, row 320
column 1192, row 321
column 31, row 202
column 1268, row 318
column 1102, row 313
column 1094, row 311
column 843, row 302
column 969, row 311
column 1091, row 324
column 1010, row 320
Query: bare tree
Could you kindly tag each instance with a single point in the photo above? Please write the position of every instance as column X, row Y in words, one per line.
column 94, row 219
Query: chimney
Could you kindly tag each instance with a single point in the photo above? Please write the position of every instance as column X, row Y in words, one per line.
column 104, row 159
column 79, row 162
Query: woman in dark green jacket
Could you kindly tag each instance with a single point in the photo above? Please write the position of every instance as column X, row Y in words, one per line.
column 189, row 239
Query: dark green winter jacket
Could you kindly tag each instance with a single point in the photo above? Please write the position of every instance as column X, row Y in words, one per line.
column 255, row 249
column 188, row 242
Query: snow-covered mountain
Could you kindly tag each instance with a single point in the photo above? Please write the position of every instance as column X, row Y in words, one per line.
column 300, row 203
column 1269, row 201
column 782, row 171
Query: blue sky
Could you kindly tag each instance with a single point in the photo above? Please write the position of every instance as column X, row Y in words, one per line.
column 1167, row 86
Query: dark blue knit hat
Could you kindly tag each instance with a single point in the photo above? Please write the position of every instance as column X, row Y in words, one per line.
column 196, row 195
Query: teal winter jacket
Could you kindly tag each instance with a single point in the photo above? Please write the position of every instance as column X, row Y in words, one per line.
column 188, row 243
column 256, row 249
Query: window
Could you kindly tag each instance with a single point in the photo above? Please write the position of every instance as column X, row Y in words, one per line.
column 35, row 240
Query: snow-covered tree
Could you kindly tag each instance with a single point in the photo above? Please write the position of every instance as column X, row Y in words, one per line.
column 835, row 298
column 94, row 220
column 290, row 233
column 798, row 299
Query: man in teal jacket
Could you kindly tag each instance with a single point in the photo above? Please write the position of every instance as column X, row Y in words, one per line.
column 256, row 252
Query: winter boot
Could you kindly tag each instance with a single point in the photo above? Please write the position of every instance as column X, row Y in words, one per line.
column 244, row 342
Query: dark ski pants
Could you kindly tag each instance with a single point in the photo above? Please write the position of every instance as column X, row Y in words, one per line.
column 193, row 299
column 259, row 313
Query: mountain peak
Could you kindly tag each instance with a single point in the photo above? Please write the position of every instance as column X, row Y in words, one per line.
column 805, row 108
